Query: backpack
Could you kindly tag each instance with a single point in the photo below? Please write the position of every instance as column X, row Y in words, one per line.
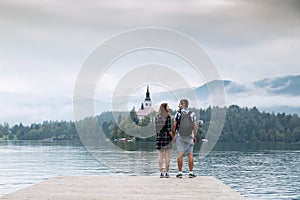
column 186, row 124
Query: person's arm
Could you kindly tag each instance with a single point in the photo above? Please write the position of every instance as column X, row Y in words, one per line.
column 174, row 129
column 195, row 128
column 195, row 132
column 175, row 125
column 170, row 127
column 172, row 135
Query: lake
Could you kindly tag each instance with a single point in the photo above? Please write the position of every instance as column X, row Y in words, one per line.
column 257, row 171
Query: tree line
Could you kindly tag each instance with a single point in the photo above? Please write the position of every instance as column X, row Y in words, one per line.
column 241, row 125
column 48, row 130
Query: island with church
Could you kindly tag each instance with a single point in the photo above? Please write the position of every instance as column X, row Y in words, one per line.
column 143, row 117
column 146, row 107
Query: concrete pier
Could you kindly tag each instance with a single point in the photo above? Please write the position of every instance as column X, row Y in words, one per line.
column 126, row 187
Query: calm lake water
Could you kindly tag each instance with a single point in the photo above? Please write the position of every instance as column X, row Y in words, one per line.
column 257, row 171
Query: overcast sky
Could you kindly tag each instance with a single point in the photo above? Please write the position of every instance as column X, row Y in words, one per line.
column 43, row 44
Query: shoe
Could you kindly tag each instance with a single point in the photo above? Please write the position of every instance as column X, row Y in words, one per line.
column 192, row 176
column 161, row 175
column 179, row 175
column 167, row 175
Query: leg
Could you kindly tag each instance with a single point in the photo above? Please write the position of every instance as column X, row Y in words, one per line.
column 180, row 149
column 160, row 160
column 191, row 161
column 167, row 159
column 179, row 161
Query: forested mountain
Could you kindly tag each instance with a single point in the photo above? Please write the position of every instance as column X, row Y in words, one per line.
column 241, row 125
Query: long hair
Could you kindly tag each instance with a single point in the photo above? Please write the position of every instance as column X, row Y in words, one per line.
column 160, row 121
column 162, row 112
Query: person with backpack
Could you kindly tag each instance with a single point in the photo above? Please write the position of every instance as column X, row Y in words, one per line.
column 164, row 137
column 185, row 126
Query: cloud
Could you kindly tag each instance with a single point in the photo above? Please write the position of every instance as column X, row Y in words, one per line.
column 263, row 101
column 261, row 97
column 28, row 108
column 44, row 43
column 269, row 58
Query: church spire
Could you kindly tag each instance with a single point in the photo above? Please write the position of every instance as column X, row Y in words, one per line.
column 146, row 106
column 147, row 94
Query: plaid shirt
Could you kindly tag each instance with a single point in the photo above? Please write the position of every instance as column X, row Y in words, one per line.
column 163, row 138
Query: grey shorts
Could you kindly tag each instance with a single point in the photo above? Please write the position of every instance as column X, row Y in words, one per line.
column 184, row 145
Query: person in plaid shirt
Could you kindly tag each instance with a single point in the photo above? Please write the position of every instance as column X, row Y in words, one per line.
column 164, row 137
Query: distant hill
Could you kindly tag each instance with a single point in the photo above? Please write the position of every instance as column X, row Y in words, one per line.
column 287, row 85
column 279, row 94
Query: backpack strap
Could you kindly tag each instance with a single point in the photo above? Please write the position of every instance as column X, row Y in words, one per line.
column 192, row 118
column 178, row 120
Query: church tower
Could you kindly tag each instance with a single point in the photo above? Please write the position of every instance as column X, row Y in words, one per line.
column 146, row 106
column 147, row 102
